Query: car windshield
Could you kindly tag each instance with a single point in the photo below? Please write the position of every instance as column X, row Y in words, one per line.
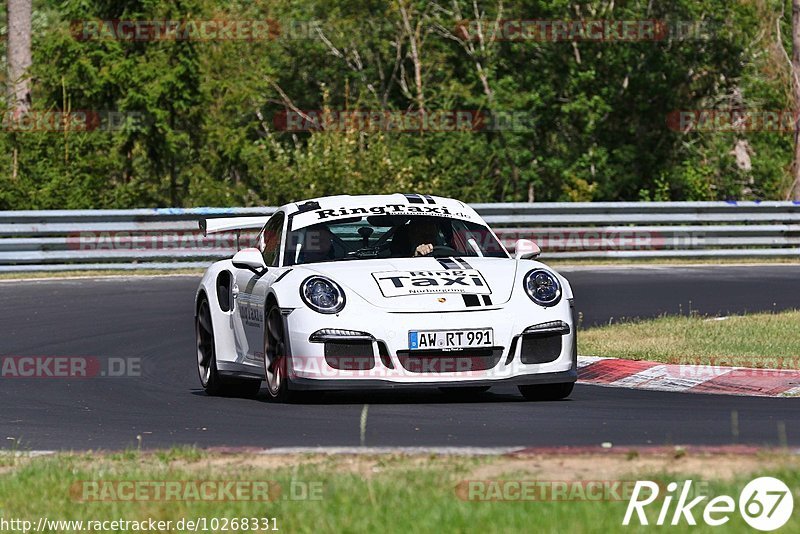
column 389, row 236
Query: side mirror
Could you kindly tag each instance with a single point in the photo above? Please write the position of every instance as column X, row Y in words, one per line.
column 525, row 249
column 249, row 258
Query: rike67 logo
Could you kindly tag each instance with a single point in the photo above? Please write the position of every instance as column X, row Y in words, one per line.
column 765, row 504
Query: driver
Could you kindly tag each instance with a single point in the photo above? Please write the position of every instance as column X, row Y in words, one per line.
column 317, row 244
column 422, row 235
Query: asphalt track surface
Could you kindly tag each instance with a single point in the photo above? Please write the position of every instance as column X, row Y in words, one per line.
column 151, row 319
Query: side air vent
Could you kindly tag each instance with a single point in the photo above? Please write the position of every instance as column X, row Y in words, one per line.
column 224, row 291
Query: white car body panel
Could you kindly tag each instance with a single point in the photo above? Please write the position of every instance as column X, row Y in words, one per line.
column 360, row 277
column 387, row 313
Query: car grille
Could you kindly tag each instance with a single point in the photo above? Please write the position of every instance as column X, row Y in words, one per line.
column 443, row 361
column 350, row 356
column 383, row 351
column 538, row 349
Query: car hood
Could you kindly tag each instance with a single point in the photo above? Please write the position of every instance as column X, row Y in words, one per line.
column 425, row 284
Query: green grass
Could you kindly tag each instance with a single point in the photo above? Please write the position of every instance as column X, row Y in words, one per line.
column 358, row 494
column 764, row 340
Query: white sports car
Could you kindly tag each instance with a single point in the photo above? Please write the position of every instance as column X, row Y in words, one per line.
column 381, row 291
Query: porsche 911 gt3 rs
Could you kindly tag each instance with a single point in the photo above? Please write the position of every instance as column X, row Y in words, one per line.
column 381, row 291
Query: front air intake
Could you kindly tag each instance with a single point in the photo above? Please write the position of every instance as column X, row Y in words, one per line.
column 349, row 355
column 537, row 349
column 449, row 361
column 541, row 343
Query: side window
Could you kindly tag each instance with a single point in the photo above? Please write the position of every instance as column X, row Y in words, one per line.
column 270, row 240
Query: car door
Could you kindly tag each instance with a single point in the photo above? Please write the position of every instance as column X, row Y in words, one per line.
column 250, row 292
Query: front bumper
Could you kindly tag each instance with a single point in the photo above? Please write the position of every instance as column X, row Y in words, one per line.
column 315, row 384
column 389, row 355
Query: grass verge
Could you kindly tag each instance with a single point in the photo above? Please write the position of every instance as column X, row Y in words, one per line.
column 391, row 493
column 762, row 340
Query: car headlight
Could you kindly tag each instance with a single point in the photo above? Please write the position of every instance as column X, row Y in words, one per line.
column 322, row 294
column 542, row 287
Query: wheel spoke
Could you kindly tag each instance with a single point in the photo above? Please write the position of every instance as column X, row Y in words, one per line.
column 205, row 320
column 205, row 344
column 205, row 351
column 275, row 352
column 274, row 325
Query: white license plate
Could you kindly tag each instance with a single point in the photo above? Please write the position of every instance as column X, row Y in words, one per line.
column 450, row 339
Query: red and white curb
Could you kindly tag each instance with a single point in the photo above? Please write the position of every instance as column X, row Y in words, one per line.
column 635, row 374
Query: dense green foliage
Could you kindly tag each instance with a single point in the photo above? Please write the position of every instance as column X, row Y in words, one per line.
column 203, row 129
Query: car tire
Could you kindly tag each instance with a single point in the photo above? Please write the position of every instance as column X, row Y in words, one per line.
column 213, row 382
column 547, row 392
column 276, row 357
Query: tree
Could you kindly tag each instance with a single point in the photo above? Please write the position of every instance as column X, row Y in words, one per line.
column 794, row 192
column 19, row 54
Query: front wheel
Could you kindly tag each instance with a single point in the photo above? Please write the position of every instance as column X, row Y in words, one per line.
column 276, row 359
column 547, row 392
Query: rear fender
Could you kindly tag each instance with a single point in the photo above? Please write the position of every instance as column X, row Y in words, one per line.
column 222, row 306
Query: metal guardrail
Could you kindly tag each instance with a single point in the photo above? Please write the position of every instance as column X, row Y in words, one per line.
column 170, row 238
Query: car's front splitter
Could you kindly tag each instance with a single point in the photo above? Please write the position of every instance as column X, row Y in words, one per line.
column 315, row 384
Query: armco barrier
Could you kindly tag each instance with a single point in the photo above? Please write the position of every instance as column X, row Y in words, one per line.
column 170, row 238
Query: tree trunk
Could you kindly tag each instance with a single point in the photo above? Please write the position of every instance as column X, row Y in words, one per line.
column 794, row 193
column 19, row 54
column 414, row 42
